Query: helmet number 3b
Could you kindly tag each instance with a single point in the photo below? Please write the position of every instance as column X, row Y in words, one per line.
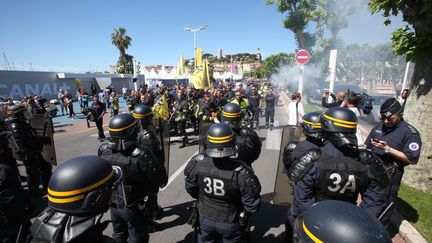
column 214, row 186
column 337, row 179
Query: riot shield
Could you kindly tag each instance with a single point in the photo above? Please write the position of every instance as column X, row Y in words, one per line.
column 202, row 137
column 43, row 126
column 283, row 186
column 162, row 131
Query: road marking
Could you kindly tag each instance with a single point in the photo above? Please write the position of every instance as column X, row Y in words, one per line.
column 178, row 171
column 273, row 139
column 95, row 135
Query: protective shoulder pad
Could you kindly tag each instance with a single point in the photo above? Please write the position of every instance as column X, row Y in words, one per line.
column 376, row 166
column 246, row 131
column 103, row 147
column 301, row 166
column 286, row 156
column 192, row 163
column 252, row 184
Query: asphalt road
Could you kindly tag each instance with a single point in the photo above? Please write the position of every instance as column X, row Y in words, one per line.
column 267, row 224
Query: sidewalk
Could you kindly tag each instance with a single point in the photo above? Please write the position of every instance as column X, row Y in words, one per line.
column 406, row 232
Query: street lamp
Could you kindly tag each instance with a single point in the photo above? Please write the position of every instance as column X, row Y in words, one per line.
column 203, row 27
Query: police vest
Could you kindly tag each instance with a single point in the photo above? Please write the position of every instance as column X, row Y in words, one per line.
column 135, row 182
column 218, row 199
column 341, row 178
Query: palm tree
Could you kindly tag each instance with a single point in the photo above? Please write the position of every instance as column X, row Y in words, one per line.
column 122, row 42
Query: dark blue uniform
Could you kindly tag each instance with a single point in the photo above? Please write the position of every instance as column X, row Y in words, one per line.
column 254, row 107
column 270, row 109
column 143, row 175
column 224, row 188
column 335, row 176
column 403, row 137
column 12, row 198
column 300, row 148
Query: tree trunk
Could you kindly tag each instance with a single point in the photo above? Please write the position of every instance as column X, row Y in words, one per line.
column 418, row 112
column 299, row 35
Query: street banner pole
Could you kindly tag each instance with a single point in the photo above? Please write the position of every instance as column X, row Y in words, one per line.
column 332, row 68
column 405, row 76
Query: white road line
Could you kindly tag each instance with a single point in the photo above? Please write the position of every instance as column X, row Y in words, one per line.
column 95, row 135
column 273, row 138
column 178, row 171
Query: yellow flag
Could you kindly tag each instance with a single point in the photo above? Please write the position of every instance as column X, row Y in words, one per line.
column 160, row 109
column 207, row 73
column 198, row 57
column 197, row 79
column 180, row 69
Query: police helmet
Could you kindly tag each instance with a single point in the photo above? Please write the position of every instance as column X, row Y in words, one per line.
column 338, row 221
column 311, row 125
column 18, row 111
column 339, row 126
column 123, row 126
column 143, row 113
column 231, row 114
column 82, row 186
column 221, row 141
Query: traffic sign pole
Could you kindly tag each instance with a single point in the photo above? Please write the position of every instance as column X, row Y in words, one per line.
column 302, row 57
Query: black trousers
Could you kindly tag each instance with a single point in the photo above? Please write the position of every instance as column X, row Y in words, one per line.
column 269, row 114
column 99, row 125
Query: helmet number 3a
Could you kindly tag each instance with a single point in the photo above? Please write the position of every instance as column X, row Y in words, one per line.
column 337, row 179
column 214, row 186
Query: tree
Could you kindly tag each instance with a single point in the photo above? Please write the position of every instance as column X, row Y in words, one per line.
column 415, row 41
column 122, row 42
column 300, row 14
column 272, row 64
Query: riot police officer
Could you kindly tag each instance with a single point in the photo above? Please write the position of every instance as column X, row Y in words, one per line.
column 12, row 196
column 337, row 222
column 147, row 138
column 147, row 132
column 143, row 175
column 227, row 190
column 247, row 140
column 79, row 194
column 30, row 148
column 339, row 170
column 311, row 127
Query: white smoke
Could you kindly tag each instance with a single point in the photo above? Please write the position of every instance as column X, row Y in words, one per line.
column 287, row 77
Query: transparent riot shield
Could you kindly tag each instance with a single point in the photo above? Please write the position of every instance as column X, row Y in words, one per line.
column 283, row 186
column 43, row 126
column 203, row 128
column 162, row 131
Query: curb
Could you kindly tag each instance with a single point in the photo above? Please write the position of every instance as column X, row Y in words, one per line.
column 406, row 230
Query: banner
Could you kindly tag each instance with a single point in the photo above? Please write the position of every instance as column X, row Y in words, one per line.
column 198, row 57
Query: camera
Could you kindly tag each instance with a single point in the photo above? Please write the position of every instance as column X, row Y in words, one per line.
column 365, row 103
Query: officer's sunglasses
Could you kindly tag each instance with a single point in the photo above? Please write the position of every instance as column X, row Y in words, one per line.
column 388, row 116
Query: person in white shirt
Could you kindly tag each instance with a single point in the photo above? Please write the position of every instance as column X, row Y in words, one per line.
column 351, row 102
column 295, row 110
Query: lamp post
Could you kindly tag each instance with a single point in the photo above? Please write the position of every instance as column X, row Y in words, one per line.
column 203, row 27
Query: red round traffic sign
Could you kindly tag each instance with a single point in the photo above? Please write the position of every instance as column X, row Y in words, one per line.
column 302, row 56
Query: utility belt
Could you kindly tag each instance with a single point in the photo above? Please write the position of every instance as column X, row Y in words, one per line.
column 392, row 167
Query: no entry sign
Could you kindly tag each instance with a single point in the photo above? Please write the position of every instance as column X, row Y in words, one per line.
column 302, row 56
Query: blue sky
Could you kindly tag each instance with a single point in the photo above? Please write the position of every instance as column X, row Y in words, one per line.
column 76, row 35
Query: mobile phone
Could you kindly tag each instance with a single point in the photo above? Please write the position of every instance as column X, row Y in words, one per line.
column 376, row 140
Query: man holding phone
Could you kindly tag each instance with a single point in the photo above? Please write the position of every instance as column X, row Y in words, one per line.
column 337, row 100
column 396, row 143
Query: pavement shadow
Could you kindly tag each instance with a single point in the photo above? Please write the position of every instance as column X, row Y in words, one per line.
column 407, row 211
column 181, row 211
column 269, row 216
